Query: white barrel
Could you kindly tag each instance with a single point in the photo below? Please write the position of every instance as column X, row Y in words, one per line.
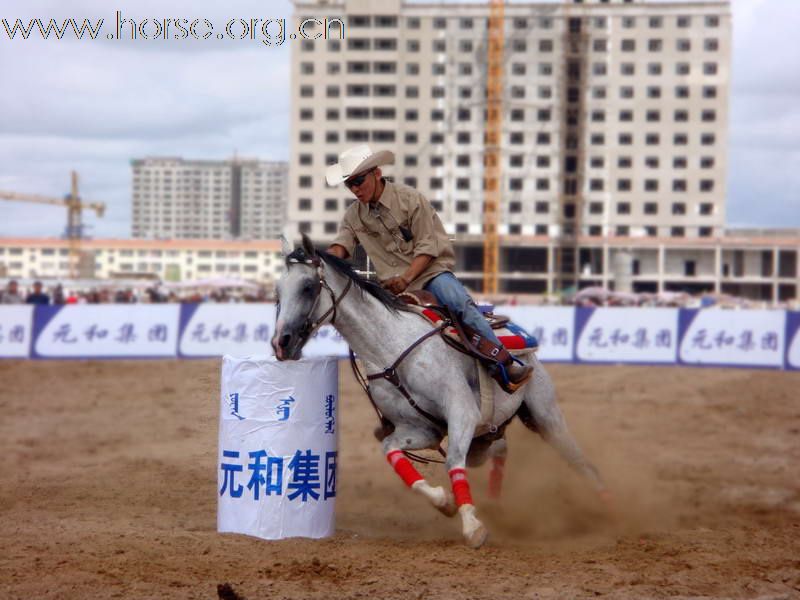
column 278, row 440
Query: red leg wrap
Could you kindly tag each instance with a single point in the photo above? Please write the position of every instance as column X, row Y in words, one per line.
column 496, row 476
column 403, row 467
column 458, row 477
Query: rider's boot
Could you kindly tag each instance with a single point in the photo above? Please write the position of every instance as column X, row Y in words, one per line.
column 518, row 374
column 510, row 373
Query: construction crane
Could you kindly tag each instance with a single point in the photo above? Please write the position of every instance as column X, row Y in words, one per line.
column 75, row 207
column 492, row 147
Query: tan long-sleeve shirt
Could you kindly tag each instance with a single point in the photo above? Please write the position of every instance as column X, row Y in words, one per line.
column 377, row 229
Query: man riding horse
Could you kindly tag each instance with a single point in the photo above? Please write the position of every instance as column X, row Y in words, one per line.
column 404, row 237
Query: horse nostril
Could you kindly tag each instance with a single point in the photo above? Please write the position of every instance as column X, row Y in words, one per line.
column 284, row 341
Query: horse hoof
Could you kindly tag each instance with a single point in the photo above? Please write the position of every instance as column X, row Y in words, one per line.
column 475, row 532
column 477, row 537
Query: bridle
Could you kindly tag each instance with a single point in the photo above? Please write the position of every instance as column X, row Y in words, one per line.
column 309, row 327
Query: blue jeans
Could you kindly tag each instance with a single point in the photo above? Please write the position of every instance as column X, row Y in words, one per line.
column 449, row 291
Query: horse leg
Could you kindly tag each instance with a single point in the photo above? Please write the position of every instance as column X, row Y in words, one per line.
column 479, row 452
column 460, row 429
column 498, row 451
column 404, row 438
column 539, row 412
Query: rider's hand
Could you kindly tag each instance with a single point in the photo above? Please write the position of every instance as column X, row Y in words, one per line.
column 396, row 285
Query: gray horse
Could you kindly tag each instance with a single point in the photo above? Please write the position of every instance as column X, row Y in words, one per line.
column 319, row 288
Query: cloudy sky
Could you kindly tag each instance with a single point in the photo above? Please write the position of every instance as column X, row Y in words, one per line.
column 93, row 105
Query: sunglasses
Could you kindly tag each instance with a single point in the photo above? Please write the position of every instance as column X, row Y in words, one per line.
column 357, row 180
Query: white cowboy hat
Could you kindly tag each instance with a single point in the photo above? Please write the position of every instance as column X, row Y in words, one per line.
column 356, row 160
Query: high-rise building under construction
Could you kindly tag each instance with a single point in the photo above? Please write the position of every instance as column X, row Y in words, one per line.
column 614, row 124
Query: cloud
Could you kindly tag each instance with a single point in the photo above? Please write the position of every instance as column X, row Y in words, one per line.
column 93, row 106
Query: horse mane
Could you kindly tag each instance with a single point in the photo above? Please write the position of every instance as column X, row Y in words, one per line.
column 344, row 268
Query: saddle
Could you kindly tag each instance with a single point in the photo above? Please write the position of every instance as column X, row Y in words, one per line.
column 498, row 361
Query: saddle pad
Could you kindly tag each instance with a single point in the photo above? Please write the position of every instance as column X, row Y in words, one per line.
column 512, row 336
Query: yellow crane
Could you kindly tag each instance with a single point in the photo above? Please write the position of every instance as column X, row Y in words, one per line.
column 75, row 207
column 492, row 147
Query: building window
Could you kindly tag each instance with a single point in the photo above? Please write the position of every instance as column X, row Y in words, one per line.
column 684, row 22
column 331, row 227
column 678, row 208
column 712, row 21
column 680, row 139
column 600, row 45
column 683, row 69
column 514, row 207
column 707, row 162
column 462, row 206
column 679, row 162
column 629, row 45
column 542, row 208
column 709, row 91
column 677, row 232
column 709, row 68
column 596, row 185
column 304, row 204
column 651, row 162
column 651, row 208
column 654, row 69
column 706, row 185
column 331, row 204
column 655, row 45
column 711, row 45
column 624, row 185
column 623, row 208
column 625, row 116
column 595, row 208
column 706, row 209
column 707, row 139
column 704, row 231
column 624, row 162
column 623, row 230
column 462, row 183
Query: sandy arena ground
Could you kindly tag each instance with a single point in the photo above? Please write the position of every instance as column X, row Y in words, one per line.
column 108, row 490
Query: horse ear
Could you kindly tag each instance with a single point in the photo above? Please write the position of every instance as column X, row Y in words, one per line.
column 286, row 248
column 308, row 247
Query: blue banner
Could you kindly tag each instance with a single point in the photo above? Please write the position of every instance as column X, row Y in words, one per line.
column 656, row 336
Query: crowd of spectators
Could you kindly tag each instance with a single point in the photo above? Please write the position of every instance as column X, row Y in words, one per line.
column 12, row 294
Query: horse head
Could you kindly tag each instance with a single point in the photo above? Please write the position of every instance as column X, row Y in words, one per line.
column 299, row 290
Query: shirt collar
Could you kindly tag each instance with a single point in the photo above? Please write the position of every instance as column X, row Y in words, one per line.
column 387, row 195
